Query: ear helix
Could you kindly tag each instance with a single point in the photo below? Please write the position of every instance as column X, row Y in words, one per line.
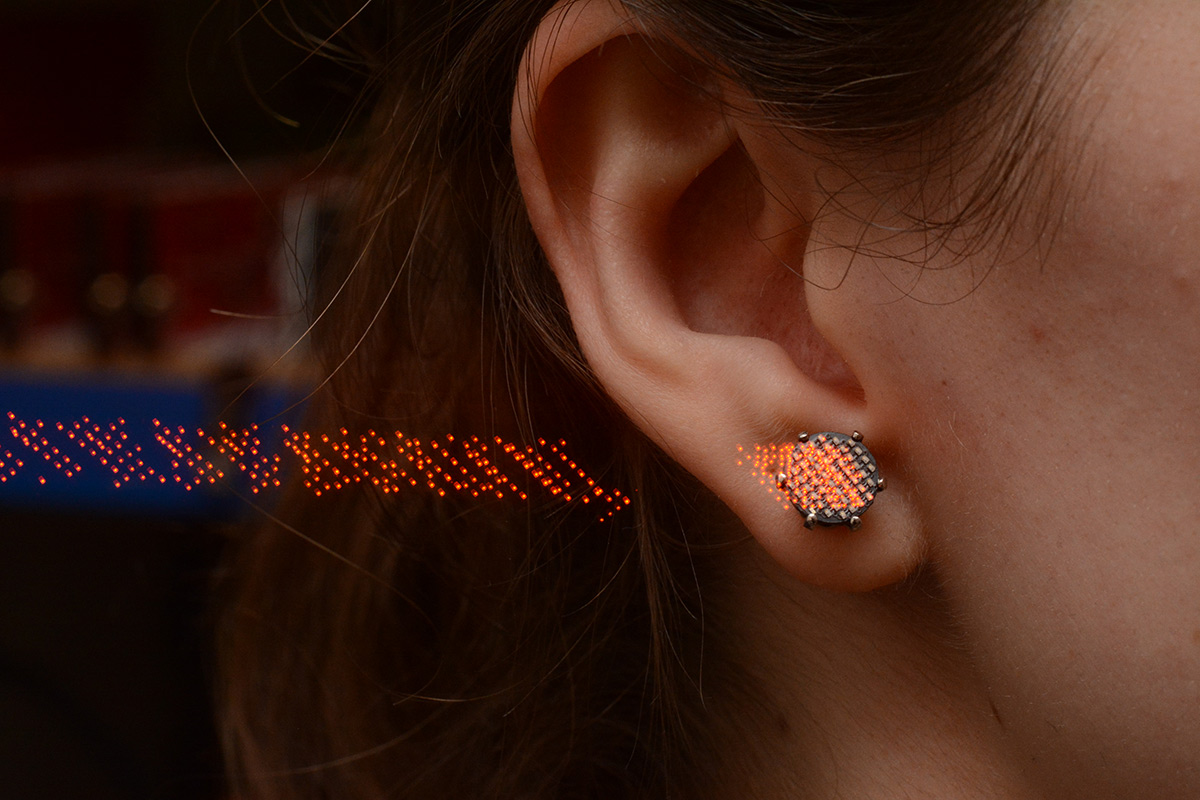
column 831, row 478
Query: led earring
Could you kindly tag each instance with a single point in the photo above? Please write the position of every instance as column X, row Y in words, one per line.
column 830, row 478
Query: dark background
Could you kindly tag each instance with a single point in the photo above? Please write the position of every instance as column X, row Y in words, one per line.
column 105, row 621
column 93, row 76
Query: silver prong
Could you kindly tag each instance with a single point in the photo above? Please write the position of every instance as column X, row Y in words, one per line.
column 803, row 437
column 781, row 480
column 880, row 485
column 855, row 523
column 856, row 436
column 810, row 521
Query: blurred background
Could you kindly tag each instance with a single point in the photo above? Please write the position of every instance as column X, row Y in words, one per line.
column 145, row 283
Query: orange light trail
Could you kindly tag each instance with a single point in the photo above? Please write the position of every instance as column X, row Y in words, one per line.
column 326, row 462
column 765, row 462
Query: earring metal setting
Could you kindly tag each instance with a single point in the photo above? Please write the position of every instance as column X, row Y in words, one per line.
column 831, row 478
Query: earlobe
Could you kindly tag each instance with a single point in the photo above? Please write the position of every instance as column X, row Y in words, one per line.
column 683, row 274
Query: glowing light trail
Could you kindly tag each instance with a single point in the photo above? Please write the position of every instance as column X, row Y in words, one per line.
column 326, row 462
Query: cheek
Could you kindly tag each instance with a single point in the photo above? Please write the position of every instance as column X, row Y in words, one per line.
column 1048, row 412
column 1050, row 426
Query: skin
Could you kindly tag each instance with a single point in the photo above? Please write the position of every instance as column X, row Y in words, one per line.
column 1057, row 407
column 1019, row 617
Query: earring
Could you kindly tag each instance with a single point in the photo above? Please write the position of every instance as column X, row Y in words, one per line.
column 830, row 478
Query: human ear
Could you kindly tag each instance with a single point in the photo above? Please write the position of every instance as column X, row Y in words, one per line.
column 683, row 270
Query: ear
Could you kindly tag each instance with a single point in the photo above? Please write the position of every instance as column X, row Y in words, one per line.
column 683, row 269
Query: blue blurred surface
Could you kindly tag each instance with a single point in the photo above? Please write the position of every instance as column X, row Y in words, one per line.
column 131, row 404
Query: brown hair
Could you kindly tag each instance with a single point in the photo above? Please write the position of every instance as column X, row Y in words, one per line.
column 421, row 646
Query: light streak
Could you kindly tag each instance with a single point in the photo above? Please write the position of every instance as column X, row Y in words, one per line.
column 765, row 461
column 323, row 462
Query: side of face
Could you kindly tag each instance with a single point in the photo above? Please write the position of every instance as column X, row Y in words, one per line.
column 1034, row 405
column 1049, row 401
